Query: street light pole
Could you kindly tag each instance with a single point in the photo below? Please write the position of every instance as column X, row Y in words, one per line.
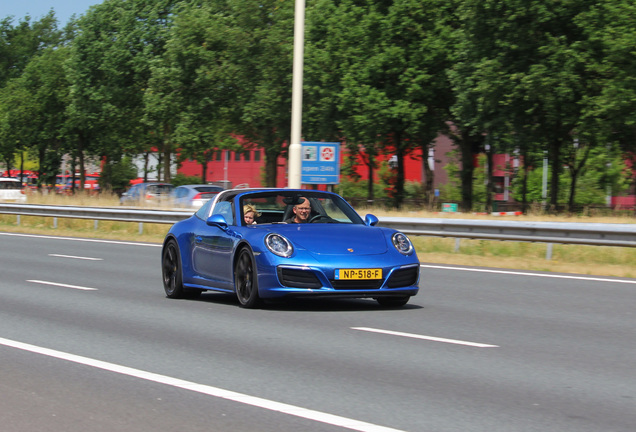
column 294, row 174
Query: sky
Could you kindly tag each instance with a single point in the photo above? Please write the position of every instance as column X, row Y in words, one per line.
column 38, row 8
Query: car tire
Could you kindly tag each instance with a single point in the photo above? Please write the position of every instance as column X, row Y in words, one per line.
column 245, row 280
column 171, row 271
column 393, row 301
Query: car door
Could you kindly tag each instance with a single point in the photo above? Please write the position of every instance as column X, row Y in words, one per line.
column 213, row 249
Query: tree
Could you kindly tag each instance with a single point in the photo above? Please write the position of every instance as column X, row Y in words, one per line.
column 609, row 27
column 28, row 110
column 116, row 175
column 190, row 87
column 45, row 82
column 260, row 57
column 522, row 72
column 390, row 93
column 109, row 70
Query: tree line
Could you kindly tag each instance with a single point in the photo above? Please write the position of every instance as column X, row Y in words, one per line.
column 538, row 79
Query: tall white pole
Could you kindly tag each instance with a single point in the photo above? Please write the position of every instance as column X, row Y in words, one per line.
column 294, row 174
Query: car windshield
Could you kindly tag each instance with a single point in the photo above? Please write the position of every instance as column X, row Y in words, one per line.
column 277, row 207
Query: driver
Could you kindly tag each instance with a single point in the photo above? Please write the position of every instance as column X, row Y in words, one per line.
column 302, row 210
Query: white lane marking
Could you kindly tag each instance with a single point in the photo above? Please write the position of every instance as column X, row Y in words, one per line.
column 83, row 239
column 205, row 389
column 76, row 257
column 62, row 285
column 588, row 278
column 430, row 338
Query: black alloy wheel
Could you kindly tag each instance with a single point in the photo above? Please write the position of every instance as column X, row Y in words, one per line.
column 171, row 270
column 245, row 281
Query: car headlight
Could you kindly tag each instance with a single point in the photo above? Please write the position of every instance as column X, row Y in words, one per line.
column 279, row 245
column 402, row 243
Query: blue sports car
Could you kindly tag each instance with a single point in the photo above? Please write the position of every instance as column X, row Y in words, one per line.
column 274, row 243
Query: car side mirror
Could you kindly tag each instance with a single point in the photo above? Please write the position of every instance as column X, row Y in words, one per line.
column 217, row 220
column 371, row 220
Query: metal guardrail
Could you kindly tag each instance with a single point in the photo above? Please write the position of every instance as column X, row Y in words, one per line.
column 122, row 214
column 596, row 234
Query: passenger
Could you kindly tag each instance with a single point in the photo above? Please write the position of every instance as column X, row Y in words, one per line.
column 250, row 214
column 301, row 212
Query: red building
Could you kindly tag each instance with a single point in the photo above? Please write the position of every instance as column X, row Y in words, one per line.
column 246, row 168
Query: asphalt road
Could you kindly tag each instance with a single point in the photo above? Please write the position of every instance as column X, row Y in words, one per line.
column 89, row 342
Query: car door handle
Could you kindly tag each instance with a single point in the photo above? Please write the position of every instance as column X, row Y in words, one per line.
column 198, row 239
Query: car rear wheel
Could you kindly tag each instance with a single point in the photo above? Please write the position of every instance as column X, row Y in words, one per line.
column 393, row 301
column 245, row 281
column 171, row 270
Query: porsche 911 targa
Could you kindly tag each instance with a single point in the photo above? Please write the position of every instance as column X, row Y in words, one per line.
column 274, row 243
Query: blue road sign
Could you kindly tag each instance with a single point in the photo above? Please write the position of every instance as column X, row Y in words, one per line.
column 320, row 163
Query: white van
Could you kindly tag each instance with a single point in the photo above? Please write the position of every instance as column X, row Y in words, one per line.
column 11, row 190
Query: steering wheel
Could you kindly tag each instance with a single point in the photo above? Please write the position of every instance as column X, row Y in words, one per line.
column 319, row 217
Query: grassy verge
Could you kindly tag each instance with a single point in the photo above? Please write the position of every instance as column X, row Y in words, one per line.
column 591, row 260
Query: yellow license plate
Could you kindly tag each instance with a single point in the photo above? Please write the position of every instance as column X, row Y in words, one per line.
column 358, row 274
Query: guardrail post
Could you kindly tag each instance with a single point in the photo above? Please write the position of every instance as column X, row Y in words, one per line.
column 95, row 223
column 457, row 243
column 55, row 222
column 18, row 221
column 141, row 228
column 548, row 252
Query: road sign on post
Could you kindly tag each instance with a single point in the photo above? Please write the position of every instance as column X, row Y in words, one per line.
column 320, row 163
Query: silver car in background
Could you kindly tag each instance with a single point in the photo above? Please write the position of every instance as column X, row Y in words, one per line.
column 153, row 193
column 194, row 196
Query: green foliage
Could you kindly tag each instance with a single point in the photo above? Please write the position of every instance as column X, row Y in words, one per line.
column 358, row 189
column 116, row 176
column 182, row 179
column 413, row 190
column 451, row 191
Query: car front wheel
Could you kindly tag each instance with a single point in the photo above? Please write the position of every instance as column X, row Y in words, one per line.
column 171, row 271
column 393, row 301
column 245, row 281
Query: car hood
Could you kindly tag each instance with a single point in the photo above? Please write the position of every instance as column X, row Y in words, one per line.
column 336, row 239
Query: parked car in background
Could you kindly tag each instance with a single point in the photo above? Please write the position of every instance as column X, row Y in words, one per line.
column 11, row 190
column 194, row 196
column 147, row 193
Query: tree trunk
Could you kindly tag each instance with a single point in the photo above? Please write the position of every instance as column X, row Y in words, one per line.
column 22, row 167
column 555, row 159
column 159, row 166
column 167, row 159
column 575, row 172
column 204, row 171
column 271, row 168
column 41, row 163
column 146, row 162
column 489, row 183
column 468, row 145
column 524, row 184
column 370, row 183
column 82, row 168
